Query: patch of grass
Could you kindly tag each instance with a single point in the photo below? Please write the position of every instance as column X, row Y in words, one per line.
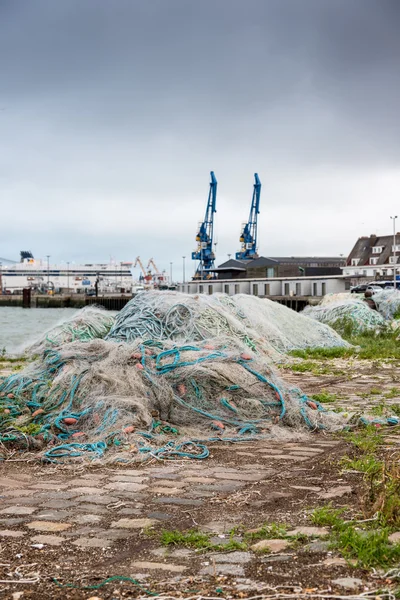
column 316, row 369
column 9, row 359
column 199, row 540
column 395, row 409
column 268, row 531
column 323, row 353
column 394, row 392
column 326, row 516
column 367, row 440
column 375, row 391
column 325, row 397
column 367, row 463
column 369, row 548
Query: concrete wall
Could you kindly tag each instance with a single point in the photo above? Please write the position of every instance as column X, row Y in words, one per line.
column 302, row 286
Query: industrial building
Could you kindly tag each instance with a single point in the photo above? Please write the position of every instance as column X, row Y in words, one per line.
column 287, row 266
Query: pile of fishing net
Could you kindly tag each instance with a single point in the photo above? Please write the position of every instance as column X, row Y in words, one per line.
column 388, row 303
column 262, row 325
column 354, row 314
column 86, row 324
column 150, row 398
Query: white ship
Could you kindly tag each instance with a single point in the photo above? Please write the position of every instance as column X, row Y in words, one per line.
column 42, row 276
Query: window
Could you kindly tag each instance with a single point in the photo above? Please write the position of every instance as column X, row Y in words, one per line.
column 373, row 261
column 287, row 288
column 393, row 260
column 377, row 249
column 365, row 272
column 323, row 288
column 255, row 289
column 237, row 288
column 201, row 289
column 315, row 289
column 354, row 262
column 266, row 289
column 270, row 272
column 226, row 288
column 298, row 289
column 210, row 289
column 397, row 248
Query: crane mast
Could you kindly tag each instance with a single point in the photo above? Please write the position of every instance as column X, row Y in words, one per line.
column 204, row 237
column 248, row 237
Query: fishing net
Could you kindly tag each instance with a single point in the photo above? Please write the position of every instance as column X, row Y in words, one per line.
column 86, row 324
column 354, row 314
column 388, row 303
column 150, row 398
column 262, row 325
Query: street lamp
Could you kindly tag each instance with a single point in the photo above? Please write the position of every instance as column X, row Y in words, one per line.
column 48, row 270
column 67, row 277
column 170, row 272
column 229, row 256
column 184, row 278
column 394, row 250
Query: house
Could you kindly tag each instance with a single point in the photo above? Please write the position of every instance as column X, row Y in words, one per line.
column 373, row 257
column 288, row 266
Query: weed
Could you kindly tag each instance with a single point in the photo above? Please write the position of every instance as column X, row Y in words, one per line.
column 365, row 464
column 308, row 366
column 375, row 391
column 395, row 409
column 323, row 353
column 369, row 548
column 393, row 393
column 325, row 397
column 268, row 531
column 367, row 440
column 199, row 540
column 327, row 516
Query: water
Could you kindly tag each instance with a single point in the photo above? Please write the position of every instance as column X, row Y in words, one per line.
column 20, row 327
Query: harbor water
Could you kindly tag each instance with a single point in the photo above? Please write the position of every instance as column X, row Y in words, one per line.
column 20, row 327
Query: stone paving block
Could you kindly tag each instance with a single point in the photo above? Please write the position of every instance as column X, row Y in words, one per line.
column 317, row 546
column 171, row 476
column 136, row 472
column 349, row 583
column 86, row 519
column 57, row 504
column 128, row 478
column 395, row 537
column 159, row 516
column 17, row 510
column 270, row 546
column 48, row 526
column 200, row 479
column 125, row 487
column 130, row 511
column 64, row 495
column 10, row 522
column 179, row 501
column 221, row 487
column 287, row 457
column 223, row 569
column 88, row 490
column 196, row 493
column 31, row 500
column 241, row 476
column 334, row 561
column 309, row 488
column 236, row 557
column 10, row 533
column 336, row 492
column 15, row 492
column 310, row 531
column 218, row 526
column 164, row 490
column 178, row 553
column 51, row 540
column 54, row 515
column 106, row 499
column 84, row 542
column 49, row 486
column 133, row 523
column 91, row 508
column 170, row 483
column 11, row 482
column 155, row 566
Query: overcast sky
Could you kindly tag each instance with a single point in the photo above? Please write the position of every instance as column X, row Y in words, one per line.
column 113, row 113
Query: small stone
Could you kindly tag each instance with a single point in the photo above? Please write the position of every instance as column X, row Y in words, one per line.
column 159, row 515
column 56, row 504
column 200, row 480
column 48, row 526
column 336, row 492
column 317, row 546
column 170, row 483
column 164, row 490
column 126, row 487
column 51, row 540
column 350, row 583
column 310, row 488
column 270, row 546
column 97, row 499
column 276, row 558
column 309, row 531
column 133, row 523
column 10, row 533
column 58, row 515
column 128, row 478
column 395, row 537
column 159, row 566
column 87, row 490
column 17, row 510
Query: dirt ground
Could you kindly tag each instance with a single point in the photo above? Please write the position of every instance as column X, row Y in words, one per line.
column 64, row 528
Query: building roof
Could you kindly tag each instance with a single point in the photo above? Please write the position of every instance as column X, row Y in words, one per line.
column 234, row 264
column 308, row 259
column 363, row 249
column 263, row 261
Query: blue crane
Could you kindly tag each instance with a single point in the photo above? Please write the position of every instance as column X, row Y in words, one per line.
column 204, row 252
column 248, row 237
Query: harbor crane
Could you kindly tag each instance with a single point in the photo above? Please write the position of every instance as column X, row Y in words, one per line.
column 153, row 264
column 204, row 237
column 145, row 275
column 248, row 237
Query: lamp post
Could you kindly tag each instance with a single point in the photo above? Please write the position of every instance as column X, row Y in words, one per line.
column 184, row 278
column 67, row 277
column 1, row 278
column 394, row 250
column 229, row 256
column 170, row 272
column 48, row 271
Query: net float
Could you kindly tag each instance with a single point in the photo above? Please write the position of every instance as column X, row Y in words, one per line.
column 312, row 404
column 77, row 434
column 70, row 421
column 129, row 429
column 136, row 355
column 245, row 356
column 139, row 366
column 37, row 412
